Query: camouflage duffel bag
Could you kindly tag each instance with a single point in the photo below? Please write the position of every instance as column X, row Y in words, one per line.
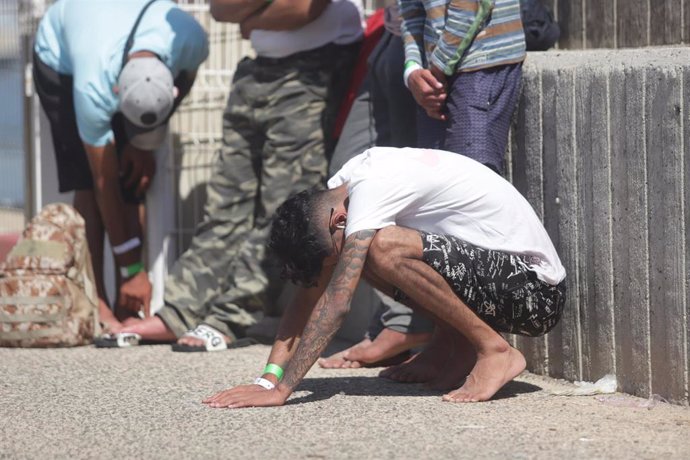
column 47, row 293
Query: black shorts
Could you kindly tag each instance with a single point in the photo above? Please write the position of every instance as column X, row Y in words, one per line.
column 499, row 287
column 55, row 93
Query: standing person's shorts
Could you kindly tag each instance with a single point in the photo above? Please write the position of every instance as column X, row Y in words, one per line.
column 479, row 107
column 499, row 287
column 55, row 92
column 57, row 99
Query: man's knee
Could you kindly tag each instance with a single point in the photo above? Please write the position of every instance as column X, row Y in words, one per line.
column 390, row 245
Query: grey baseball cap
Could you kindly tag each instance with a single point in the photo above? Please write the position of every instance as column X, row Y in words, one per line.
column 146, row 92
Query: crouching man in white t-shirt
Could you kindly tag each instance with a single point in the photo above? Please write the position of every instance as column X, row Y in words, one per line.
column 435, row 230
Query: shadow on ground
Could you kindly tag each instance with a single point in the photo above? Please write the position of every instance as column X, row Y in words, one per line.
column 325, row 388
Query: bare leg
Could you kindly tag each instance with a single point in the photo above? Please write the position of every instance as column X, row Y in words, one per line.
column 338, row 361
column 457, row 367
column 388, row 348
column 85, row 204
column 387, row 344
column 396, row 257
column 136, row 215
column 191, row 341
column 149, row 329
column 426, row 365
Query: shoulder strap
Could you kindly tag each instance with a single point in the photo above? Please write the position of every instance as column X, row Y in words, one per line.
column 130, row 40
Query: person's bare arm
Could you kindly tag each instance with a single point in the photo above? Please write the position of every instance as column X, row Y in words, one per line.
column 284, row 15
column 292, row 324
column 105, row 170
column 330, row 310
column 325, row 319
column 135, row 292
column 234, row 11
column 289, row 333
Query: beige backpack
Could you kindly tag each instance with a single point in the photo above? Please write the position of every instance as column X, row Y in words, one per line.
column 47, row 293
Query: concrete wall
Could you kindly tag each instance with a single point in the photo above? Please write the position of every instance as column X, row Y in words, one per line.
column 600, row 148
column 621, row 23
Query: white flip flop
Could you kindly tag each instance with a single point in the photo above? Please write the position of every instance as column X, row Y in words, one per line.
column 118, row 340
column 213, row 340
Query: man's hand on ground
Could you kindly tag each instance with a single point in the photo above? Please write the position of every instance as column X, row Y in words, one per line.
column 135, row 294
column 247, row 396
column 429, row 92
column 139, row 166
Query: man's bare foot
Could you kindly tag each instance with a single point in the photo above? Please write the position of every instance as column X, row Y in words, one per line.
column 457, row 367
column 388, row 348
column 424, row 366
column 107, row 318
column 152, row 328
column 493, row 370
column 386, row 345
column 194, row 342
column 123, row 315
column 454, row 371
column 338, row 361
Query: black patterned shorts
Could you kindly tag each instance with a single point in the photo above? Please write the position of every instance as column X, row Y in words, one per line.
column 499, row 287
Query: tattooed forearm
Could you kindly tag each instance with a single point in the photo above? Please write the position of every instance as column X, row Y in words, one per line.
column 331, row 307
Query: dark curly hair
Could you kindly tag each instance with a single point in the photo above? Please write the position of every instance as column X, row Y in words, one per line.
column 298, row 239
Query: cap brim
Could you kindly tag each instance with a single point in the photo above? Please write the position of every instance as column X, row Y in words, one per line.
column 146, row 139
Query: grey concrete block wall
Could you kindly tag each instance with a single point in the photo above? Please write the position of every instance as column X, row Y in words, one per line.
column 587, row 24
column 600, row 146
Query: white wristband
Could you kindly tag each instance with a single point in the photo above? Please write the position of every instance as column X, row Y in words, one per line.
column 408, row 72
column 127, row 246
column 264, row 383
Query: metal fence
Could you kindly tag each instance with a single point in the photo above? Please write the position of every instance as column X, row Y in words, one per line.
column 11, row 119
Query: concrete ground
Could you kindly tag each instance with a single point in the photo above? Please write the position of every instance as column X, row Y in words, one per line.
column 145, row 403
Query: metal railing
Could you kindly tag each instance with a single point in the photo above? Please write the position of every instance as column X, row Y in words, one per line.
column 11, row 119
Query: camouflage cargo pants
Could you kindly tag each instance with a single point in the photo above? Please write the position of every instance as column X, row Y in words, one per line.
column 275, row 129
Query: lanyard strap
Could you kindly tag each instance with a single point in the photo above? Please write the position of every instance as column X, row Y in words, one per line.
column 130, row 40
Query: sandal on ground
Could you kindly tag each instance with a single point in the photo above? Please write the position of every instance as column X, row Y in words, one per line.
column 213, row 341
column 118, row 340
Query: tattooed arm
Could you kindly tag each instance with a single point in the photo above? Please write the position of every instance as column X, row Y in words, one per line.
column 287, row 340
column 326, row 318
column 330, row 310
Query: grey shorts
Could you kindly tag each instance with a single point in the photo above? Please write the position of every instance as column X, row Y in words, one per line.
column 499, row 287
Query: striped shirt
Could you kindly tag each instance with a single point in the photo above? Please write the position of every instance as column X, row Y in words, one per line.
column 462, row 35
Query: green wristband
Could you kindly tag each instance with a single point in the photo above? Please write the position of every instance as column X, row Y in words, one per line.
column 409, row 64
column 275, row 370
column 131, row 270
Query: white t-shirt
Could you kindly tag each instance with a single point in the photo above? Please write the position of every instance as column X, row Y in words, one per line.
column 445, row 193
column 341, row 23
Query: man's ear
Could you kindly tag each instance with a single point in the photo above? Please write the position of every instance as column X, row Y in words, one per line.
column 341, row 221
column 116, row 89
column 176, row 92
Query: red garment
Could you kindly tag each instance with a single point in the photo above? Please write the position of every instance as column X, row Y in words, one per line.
column 372, row 35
